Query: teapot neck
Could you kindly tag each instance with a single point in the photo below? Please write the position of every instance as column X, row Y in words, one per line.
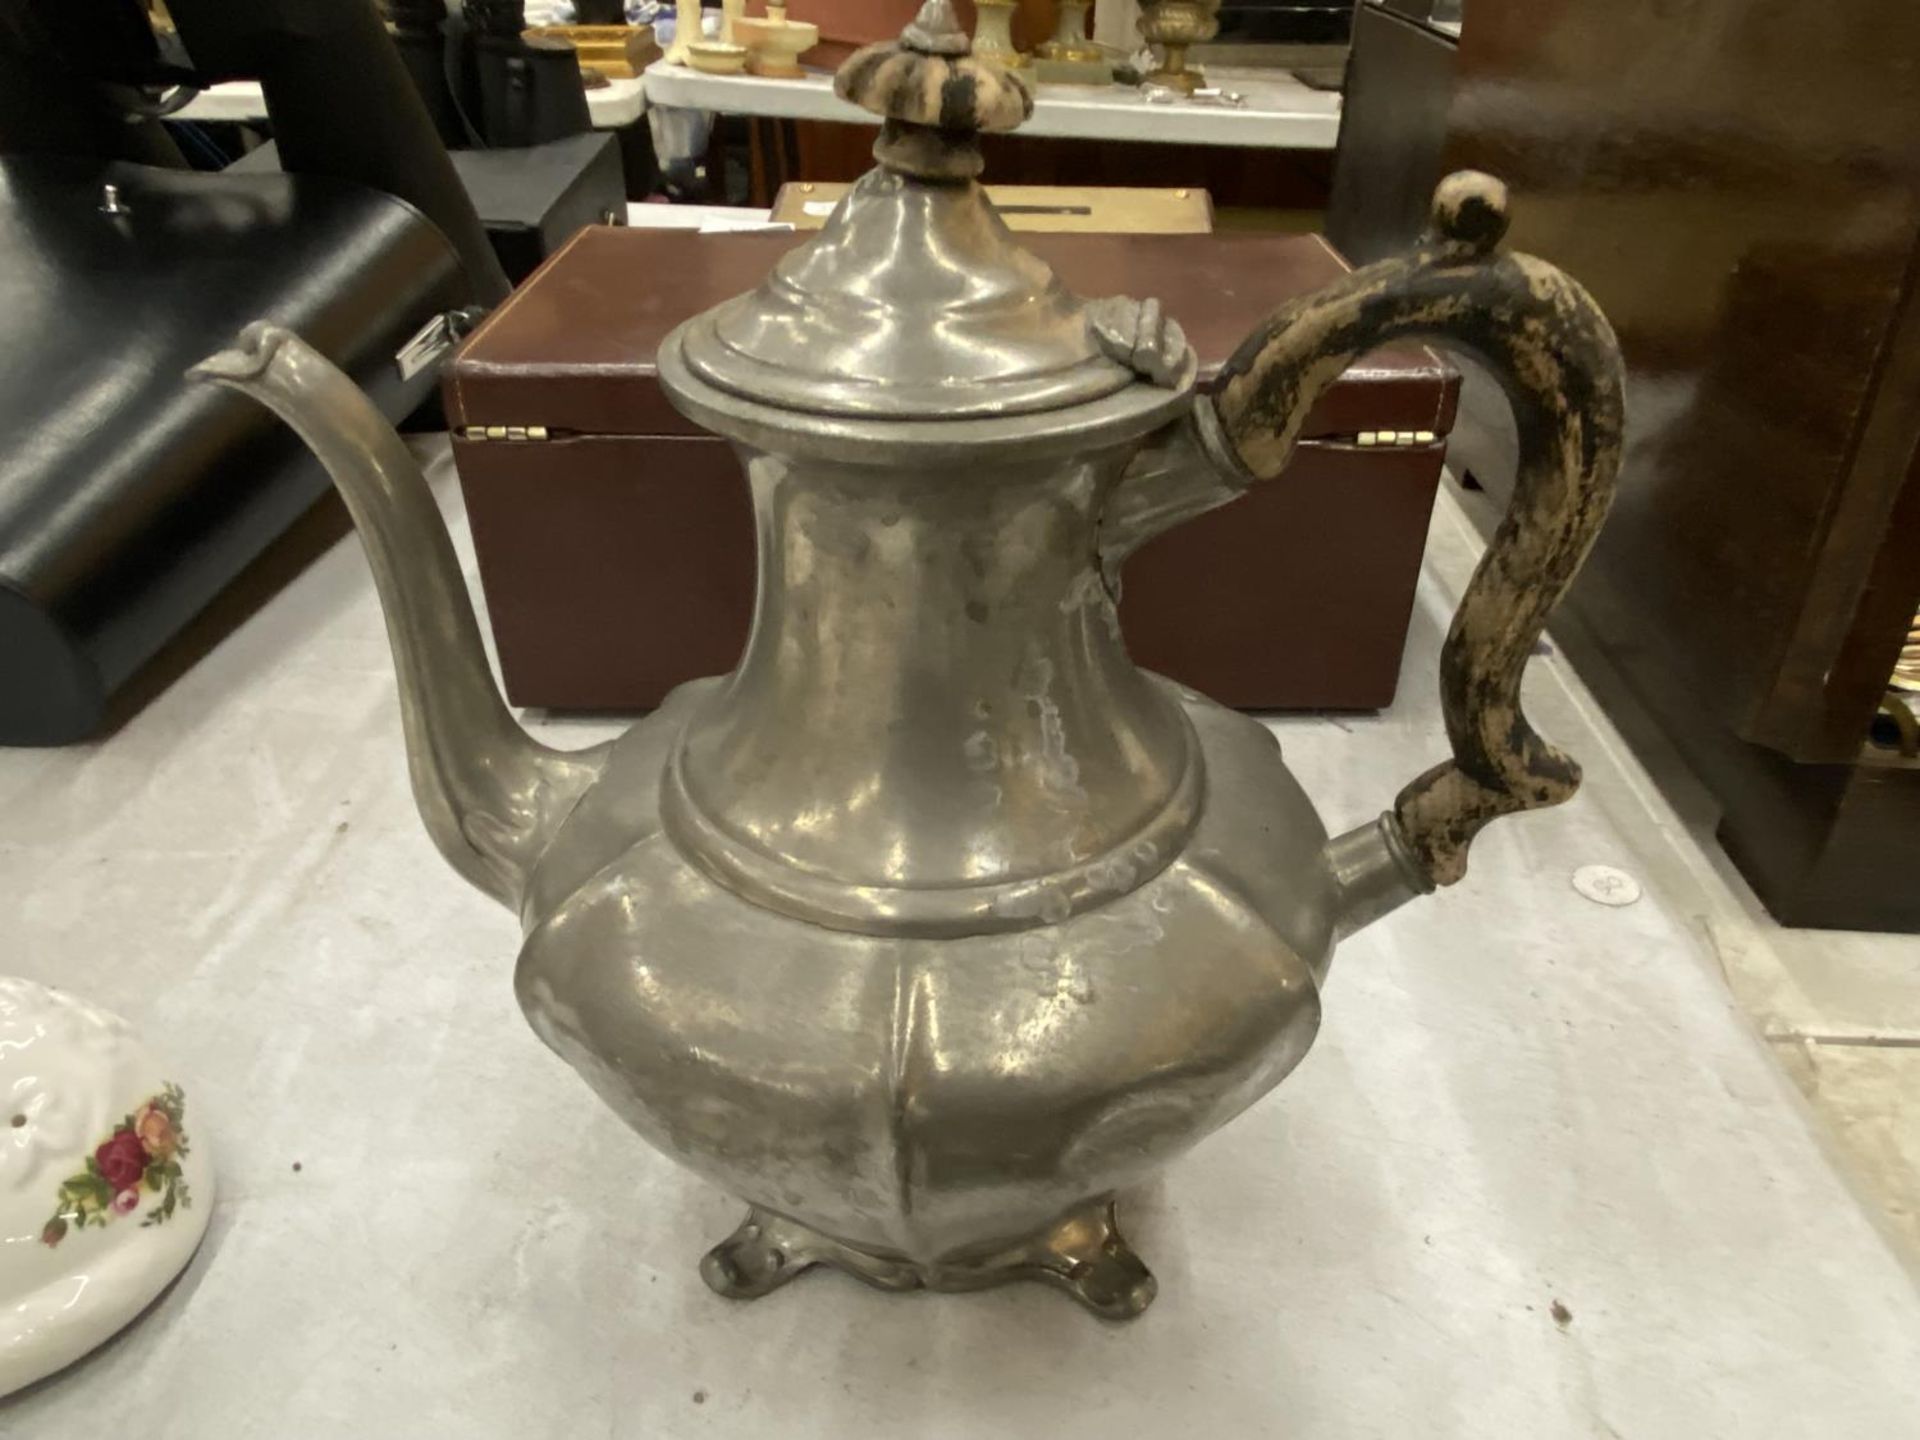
column 935, row 727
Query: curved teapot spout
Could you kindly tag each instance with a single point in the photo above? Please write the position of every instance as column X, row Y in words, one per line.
column 490, row 794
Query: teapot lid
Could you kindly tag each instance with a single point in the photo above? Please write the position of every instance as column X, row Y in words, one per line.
column 915, row 301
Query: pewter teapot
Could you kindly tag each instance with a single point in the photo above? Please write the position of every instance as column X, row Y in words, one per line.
column 937, row 923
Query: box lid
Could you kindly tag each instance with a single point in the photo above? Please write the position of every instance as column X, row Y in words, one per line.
column 573, row 348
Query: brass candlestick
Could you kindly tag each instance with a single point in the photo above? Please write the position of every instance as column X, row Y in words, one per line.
column 1069, row 40
column 1173, row 25
column 1069, row 58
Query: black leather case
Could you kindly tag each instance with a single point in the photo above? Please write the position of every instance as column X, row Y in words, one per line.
column 129, row 497
column 531, row 198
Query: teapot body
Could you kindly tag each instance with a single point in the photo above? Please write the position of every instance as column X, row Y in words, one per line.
column 936, row 921
column 934, row 728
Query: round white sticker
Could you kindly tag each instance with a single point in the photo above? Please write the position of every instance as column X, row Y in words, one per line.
column 1605, row 885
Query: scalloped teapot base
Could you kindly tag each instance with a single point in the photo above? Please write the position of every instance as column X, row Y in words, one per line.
column 1081, row 1253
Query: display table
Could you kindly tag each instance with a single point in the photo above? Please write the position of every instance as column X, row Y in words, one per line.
column 614, row 106
column 1538, row 1177
column 1280, row 112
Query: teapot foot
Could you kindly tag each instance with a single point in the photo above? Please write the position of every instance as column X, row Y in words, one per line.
column 1082, row 1253
column 768, row 1250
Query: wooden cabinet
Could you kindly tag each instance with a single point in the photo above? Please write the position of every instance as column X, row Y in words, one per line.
column 1738, row 183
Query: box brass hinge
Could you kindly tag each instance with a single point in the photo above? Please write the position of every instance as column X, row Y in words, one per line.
column 504, row 432
column 1395, row 437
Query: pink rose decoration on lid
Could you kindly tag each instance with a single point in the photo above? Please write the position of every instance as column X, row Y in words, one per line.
column 142, row 1153
column 122, row 1160
column 155, row 1128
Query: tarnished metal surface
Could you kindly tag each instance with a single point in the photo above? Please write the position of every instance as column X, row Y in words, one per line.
column 935, row 728
column 489, row 794
column 913, row 302
column 927, row 1098
column 937, row 922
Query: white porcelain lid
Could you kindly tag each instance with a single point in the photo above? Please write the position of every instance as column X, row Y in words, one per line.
column 105, row 1181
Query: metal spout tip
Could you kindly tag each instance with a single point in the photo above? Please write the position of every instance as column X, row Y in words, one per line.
column 252, row 351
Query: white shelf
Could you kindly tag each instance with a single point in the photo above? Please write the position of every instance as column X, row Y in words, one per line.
column 614, row 106
column 1280, row 113
column 707, row 219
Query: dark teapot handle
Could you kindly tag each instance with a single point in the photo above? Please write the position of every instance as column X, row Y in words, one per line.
column 1557, row 359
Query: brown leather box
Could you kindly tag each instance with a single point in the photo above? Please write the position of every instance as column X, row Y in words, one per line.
column 615, row 538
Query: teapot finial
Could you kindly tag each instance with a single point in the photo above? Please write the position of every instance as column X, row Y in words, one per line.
column 933, row 96
column 1469, row 213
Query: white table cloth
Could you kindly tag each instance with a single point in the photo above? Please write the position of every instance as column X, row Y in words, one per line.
column 428, row 1227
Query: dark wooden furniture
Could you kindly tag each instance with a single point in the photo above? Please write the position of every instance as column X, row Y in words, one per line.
column 846, row 25
column 1739, row 184
column 1236, row 176
column 1393, row 129
column 1285, row 22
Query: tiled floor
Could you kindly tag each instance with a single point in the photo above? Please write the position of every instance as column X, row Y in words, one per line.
column 1840, row 1010
column 1842, row 1013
